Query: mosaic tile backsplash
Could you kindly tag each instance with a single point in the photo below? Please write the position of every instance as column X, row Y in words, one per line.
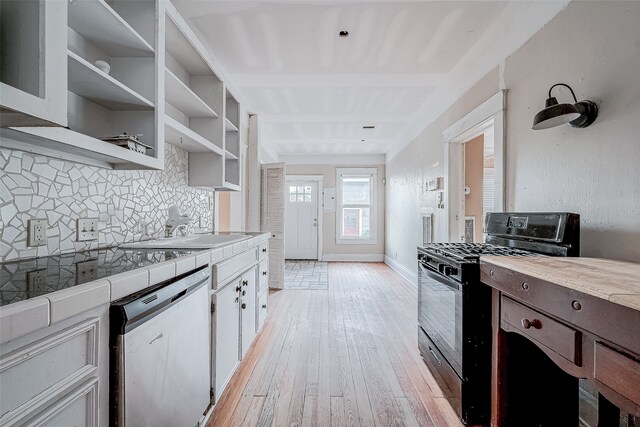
column 130, row 205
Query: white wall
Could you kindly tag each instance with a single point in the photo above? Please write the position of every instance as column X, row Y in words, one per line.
column 331, row 250
column 594, row 47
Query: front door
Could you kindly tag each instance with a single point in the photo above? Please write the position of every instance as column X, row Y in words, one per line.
column 301, row 220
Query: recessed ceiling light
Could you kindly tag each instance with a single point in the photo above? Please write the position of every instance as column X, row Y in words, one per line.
column 343, row 33
column 362, row 140
column 368, row 127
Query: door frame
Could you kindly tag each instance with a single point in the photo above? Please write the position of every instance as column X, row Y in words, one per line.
column 490, row 113
column 319, row 180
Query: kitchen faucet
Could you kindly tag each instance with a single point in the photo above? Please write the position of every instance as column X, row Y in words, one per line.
column 175, row 221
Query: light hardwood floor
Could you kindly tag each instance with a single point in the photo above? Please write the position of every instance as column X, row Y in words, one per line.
column 346, row 356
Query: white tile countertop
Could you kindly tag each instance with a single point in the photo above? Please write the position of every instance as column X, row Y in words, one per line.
column 33, row 313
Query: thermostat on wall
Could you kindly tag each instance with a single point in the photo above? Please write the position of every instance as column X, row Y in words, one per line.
column 435, row 184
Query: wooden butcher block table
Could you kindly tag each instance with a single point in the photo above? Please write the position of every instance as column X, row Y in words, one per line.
column 557, row 320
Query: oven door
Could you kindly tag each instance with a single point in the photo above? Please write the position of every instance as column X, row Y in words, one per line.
column 440, row 313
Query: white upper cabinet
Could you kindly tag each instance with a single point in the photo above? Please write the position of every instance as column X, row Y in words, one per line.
column 109, row 85
column 113, row 67
column 195, row 108
column 33, row 63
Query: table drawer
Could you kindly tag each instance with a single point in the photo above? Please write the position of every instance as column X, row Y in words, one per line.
column 263, row 274
column 542, row 330
column 617, row 371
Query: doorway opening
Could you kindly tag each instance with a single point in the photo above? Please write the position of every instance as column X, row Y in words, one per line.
column 303, row 217
column 474, row 169
column 479, row 184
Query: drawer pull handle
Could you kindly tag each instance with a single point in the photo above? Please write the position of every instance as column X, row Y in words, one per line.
column 264, row 273
column 435, row 356
column 245, row 283
column 264, row 305
column 528, row 324
column 264, row 250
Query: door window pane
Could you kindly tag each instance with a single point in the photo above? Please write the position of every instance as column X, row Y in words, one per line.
column 292, row 189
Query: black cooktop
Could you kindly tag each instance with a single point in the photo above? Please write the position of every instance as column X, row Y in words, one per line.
column 472, row 251
column 21, row 280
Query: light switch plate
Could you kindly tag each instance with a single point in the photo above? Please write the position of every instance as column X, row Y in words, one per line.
column 87, row 229
column 37, row 235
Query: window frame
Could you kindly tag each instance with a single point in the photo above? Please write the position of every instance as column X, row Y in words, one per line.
column 372, row 173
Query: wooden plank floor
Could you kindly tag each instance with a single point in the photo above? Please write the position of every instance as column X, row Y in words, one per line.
column 346, row 356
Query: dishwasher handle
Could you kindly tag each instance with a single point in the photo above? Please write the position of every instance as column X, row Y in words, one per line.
column 178, row 296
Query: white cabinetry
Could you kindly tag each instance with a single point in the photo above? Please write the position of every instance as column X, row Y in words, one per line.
column 33, row 63
column 161, row 85
column 233, row 326
column 95, row 102
column 58, row 375
column 247, row 310
column 236, row 313
column 226, row 335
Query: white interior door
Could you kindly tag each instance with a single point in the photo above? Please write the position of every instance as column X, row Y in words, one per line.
column 301, row 220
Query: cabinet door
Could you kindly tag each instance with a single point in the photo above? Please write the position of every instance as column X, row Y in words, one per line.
column 248, row 309
column 226, row 329
column 33, row 63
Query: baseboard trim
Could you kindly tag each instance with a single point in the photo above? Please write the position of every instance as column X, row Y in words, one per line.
column 404, row 271
column 353, row 257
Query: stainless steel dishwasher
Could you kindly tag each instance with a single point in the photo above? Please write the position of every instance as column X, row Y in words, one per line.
column 160, row 360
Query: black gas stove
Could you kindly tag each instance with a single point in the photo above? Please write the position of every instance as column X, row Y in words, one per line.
column 454, row 307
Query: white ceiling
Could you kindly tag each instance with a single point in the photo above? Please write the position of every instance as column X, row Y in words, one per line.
column 314, row 91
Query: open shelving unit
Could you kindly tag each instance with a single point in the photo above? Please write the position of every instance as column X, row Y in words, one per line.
column 103, row 103
column 160, row 83
column 195, row 105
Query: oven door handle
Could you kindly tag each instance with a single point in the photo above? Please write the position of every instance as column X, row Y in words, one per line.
column 440, row 278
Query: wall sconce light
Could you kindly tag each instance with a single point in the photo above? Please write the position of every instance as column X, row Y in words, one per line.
column 579, row 115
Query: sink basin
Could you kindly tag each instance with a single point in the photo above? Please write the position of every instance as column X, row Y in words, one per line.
column 198, row 241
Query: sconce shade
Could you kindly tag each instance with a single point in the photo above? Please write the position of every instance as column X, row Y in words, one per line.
column 554, row 114
column 580, row 115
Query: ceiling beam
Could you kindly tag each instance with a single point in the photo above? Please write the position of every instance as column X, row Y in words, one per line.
column 335, row 118
column 329, row 141
column 395, row 80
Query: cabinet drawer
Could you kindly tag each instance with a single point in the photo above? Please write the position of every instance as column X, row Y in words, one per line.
column 617, row 371
column 262, row 308
column 263, row 250
column 542, row 330
column 232, row 267
column 37, row 369
column 263, row 275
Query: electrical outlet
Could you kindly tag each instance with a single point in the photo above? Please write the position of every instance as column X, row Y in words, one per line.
column 37, row 235
column 37, row 280
column 87, row 271
column 87, row 229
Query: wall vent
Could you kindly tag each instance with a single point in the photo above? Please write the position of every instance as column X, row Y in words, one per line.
column 427, row 228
